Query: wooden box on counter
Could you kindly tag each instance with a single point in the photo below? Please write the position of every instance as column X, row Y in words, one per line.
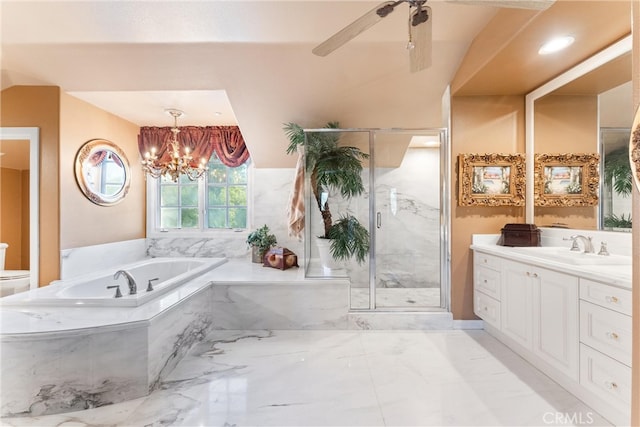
column 520, row 235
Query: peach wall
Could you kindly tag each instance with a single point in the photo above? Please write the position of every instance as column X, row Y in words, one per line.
column 11, row 216
column 39, row 106
column 635, row 385
column 25, row 243
column 479, row 124
column 82, row 222
column 567, row 124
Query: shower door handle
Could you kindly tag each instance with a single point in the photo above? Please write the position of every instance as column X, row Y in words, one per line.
column 378, row 220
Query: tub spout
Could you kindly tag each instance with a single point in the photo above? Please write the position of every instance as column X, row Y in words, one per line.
column 130, row 281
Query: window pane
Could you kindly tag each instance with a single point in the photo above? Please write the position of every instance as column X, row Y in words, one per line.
column 217, row 173
column 238, row 217
column 189, row 217
column 169, row 195
column 189, row 195
column 237, row 196
column 238, row 175
column 217, row 218
column 169, row 218
column 217, row 196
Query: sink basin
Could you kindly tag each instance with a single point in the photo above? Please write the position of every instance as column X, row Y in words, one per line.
column 562, row 254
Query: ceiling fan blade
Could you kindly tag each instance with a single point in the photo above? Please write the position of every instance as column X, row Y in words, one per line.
column 352, row 30
column 519, row 4
column 420, row 40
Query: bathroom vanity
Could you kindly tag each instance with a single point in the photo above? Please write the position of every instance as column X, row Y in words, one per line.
column 566, row 312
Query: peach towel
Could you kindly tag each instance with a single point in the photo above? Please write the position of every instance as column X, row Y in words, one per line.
column 295, row 209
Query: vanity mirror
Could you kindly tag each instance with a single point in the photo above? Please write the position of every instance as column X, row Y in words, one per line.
column 576, row 113
column 102, row 172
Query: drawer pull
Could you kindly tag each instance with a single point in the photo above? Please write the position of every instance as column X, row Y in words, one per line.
column 612, row 335
column 485, row 260
column 610, row 385
column 612, row 299
column 529, row 274
column 485, row 280
column 486, row 308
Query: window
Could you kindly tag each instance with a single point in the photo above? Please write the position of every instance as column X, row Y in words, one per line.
column 217, row 201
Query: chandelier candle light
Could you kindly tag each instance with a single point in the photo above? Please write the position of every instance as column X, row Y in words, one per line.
column 178, row 164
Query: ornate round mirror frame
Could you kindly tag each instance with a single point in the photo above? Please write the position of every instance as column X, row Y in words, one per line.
column 89, row 149
column 634, row 149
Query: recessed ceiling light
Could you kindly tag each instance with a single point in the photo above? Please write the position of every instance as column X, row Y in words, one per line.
column 217, row 113
column 556, row 44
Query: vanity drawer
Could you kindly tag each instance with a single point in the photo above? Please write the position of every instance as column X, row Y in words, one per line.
column 487, row 281
column 609, row 379
column 606, row 296
column 487, row 308
column 606, row 330
column 485, row 260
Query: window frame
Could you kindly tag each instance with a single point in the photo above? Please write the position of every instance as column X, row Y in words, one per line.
column 153, row 211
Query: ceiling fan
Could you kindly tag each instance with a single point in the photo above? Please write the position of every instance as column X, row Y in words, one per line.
column 419, row 23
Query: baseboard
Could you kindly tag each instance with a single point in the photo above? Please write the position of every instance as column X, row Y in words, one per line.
column 468, row 324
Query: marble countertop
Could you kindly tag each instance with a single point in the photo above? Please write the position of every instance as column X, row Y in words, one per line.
column 615, row 275
column 28, row 321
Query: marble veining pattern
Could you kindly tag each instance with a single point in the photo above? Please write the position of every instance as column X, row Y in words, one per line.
column 340, row 378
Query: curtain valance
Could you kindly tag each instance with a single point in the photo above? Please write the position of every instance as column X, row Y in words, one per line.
column 226, row 141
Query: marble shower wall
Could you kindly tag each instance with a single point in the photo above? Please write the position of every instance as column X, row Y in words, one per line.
column 408, row 241
column 270, row 190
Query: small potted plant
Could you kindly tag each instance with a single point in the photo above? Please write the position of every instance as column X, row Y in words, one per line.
column 260, row 240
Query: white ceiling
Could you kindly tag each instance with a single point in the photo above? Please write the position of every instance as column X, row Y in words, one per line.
column 249, row 60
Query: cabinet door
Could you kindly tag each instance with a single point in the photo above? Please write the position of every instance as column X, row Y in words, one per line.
column 555, row 320
column 516, row 305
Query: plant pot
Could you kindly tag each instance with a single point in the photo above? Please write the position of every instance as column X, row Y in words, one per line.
column 256, row 255
column 324, row 251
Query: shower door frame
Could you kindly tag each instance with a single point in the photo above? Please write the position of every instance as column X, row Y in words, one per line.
column 445, row 217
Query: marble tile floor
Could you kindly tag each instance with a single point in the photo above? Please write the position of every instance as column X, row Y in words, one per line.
column 344, row 378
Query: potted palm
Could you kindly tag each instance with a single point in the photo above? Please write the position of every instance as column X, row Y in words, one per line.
column 260, row 240
column 336, row 168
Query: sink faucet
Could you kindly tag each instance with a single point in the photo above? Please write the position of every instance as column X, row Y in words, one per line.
column 130, row 281
column 586, row 241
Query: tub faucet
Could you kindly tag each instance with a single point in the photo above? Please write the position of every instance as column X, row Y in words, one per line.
column 130, row 280
column 586, row 241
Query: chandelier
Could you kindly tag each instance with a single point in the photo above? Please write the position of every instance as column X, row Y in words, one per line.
column 179, row 164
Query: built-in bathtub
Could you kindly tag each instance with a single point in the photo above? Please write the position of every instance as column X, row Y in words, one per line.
column 165, row 275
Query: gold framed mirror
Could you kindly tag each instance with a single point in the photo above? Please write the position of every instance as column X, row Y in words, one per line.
column 102, row 172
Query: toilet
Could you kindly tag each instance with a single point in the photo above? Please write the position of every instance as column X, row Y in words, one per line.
column 11, row 281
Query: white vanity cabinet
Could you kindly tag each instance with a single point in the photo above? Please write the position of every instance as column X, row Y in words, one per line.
column 540, row 313
column 605, row 349
column 486, row 293
column 574, row 329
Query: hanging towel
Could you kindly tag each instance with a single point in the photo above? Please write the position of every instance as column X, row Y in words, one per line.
column 295, row 209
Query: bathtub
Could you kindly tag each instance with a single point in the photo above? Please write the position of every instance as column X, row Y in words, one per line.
column 91, row 290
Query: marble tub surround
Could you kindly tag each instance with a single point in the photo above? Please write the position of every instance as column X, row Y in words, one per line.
column 88, row 259
column 51, row 373
column 332, row 378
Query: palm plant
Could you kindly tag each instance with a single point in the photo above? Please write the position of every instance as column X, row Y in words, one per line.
column 617, row 171
column 333, row 167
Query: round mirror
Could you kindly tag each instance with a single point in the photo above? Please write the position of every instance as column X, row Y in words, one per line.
column 102, row 172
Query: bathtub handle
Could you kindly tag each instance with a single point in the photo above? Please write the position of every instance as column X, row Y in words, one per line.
column 149, row 287
column 118, row 293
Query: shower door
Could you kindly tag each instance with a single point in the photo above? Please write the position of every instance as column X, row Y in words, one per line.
column 407, row 209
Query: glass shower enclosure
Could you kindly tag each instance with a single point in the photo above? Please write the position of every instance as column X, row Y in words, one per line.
column 404, row 207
